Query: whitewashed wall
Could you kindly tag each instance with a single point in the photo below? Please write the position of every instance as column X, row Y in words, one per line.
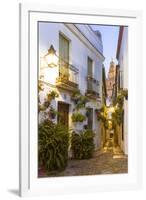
column 91, row 35
column 123, row 62
column 79, row 52
column 49, row 34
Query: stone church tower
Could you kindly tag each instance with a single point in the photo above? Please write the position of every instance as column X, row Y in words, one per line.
column 111, row 79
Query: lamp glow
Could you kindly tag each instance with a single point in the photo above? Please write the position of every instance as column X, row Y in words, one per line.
column 112, row 109
column 51, row 57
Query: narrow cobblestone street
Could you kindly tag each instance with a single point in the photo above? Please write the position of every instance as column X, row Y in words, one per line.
column 101, row 163
column 83, row 103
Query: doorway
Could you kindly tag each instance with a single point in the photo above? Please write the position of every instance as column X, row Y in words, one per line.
column 63, row 117
column 90, row 118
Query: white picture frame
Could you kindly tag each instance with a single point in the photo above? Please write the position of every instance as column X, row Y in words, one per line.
column 30, row 185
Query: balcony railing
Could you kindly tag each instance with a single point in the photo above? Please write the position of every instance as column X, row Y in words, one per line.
column 68, row 76
column 92, row 87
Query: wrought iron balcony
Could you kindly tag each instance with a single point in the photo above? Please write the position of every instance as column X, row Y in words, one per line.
column 92, row 88
column 68, row 76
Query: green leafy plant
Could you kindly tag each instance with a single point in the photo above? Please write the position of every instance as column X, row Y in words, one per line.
column 40, row 86
column 82, row 144
column 53, row 141
column 79, row 99
column 76, row 92
column 75, row 96
column 120, row 100
column 81, row 102
column 47, row 102
column 52, row 113
column 41, row 107
column 80, row 105
column 52, row 95
column 124, row 92
column 78, row 117
column 101, row 116
column 118, row 115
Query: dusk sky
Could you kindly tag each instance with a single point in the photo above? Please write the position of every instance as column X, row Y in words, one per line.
column 109, row 39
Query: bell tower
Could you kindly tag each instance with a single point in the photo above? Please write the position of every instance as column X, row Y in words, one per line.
column 111, row 79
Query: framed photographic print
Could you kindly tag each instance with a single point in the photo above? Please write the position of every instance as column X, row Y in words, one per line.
column 80, row 100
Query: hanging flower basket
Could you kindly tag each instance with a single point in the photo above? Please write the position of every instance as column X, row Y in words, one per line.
column 86, row 127
column 46, row 103
column 52, row 115
column 52, row 95
column 75, row 99
column 78, row 117
column 125, row 93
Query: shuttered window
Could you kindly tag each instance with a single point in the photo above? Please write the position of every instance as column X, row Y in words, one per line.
column 63, row 55
column 90, row 73
column 90, row 66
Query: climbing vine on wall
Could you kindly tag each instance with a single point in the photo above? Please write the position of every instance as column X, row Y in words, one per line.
column 102, row 116
column 118, row 114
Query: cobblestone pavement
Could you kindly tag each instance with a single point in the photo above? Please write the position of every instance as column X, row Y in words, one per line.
column 101, row 163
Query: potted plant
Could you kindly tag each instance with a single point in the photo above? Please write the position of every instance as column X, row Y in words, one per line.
column 51, row 157
column 82, row 144
column 120, row 99
column 100, row 114
column 86, row 127
column 52, row 113
column 40, row 86
column 41, row 107
column 78, row 117
column 52, row 95
column 83, row 99
column 46, row 103
column 125, row 93
column 76, row 96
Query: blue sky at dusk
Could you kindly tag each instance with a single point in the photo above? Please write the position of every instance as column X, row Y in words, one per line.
column 109, row 39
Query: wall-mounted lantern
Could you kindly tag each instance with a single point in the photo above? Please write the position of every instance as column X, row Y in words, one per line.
column 51, row 57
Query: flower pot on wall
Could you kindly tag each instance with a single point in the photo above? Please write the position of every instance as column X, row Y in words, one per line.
column 52, row 115
column 76, row 101
column 78, row 117
column 78, row 126
column 47, row 104
column 85, row 127
column 49, row 98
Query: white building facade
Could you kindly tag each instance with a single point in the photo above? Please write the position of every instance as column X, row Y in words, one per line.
column 122, row 57
column 80, row 53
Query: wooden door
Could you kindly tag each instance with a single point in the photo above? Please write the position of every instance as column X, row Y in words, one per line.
column 63, row 109
column 90, row 118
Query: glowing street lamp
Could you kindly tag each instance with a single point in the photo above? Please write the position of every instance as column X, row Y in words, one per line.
column 109, row 124
column 112, row 109
column 51, row 57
